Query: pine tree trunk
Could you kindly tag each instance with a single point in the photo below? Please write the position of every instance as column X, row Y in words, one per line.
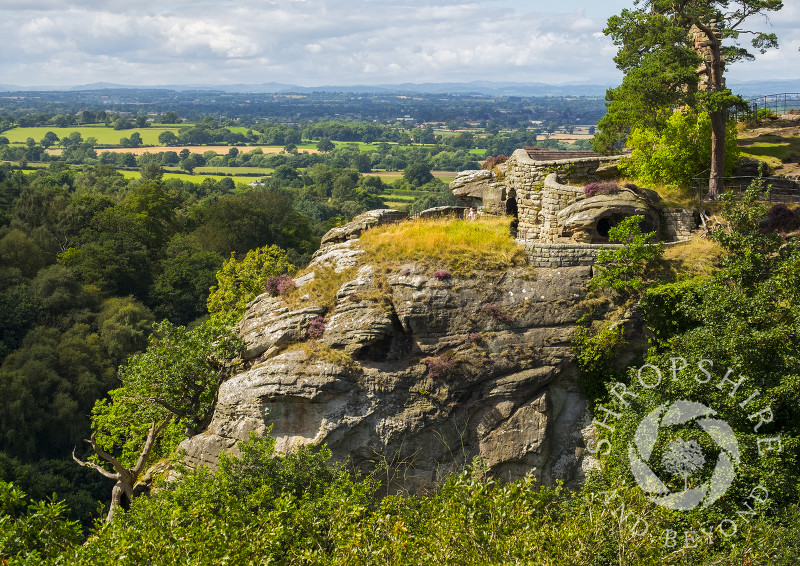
column 716, row 84
column 715, row 181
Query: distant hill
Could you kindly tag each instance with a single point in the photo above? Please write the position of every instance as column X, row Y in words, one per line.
column 749, row 89
column 476, row 87
column 746, row 89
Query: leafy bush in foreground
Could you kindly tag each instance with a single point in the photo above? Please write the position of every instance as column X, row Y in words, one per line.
column 297, row 509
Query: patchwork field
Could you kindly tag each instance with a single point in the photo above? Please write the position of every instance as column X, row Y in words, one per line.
column 389, row 176
column 201, row 149
column 104, row 134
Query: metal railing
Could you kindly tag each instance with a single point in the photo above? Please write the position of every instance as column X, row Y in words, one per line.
column 770, row 103
column 782, row 190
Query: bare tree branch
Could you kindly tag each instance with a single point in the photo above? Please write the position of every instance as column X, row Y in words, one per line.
column 106, row 456
column 94, row 466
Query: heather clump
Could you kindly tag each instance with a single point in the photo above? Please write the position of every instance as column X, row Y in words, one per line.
column 781, row 218
column 605, row 188
column 279, row 285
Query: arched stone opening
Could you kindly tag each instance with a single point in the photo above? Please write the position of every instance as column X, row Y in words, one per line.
column 605, row 223
column 511, row 210
column 511, row 207
column 603, row 226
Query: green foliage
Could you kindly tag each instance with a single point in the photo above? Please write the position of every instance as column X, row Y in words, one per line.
column 239, row 282
column 659, row 75
column 257, row 508
column 124, row 325
column 32, row 532
column 672, row 308
column 676, row 152
column 743, row 319
column 178, row 374
column 438, row 196
column 47, row 388
column 749, row 247
column 243, row 222
column 663, row 72
column 298, row 509
column 627, row 270
column 180, row 290
column 595, row 355
column 80, row 489
column 417, row 174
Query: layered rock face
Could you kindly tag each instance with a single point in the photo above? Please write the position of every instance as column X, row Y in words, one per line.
column 415, row 371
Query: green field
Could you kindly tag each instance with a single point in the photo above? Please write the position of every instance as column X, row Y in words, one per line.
column 196, row 178
column 397, row 198
column 362, row 146
column 772, row 149
column 105, row 135
column 235, row 171
column 397, row 205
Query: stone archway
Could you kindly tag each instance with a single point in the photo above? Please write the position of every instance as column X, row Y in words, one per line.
column 590, row 220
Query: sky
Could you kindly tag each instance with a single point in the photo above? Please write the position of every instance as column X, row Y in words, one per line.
column 331, row 42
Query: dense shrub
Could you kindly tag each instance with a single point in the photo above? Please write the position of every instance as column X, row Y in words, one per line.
column 627, row 270
column 677, row 152
column 239, row 282
column 264, row 508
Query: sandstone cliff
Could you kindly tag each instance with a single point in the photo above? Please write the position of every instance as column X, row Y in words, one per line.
column 415, row 370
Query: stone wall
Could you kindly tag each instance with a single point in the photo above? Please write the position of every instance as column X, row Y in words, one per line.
column 554, row 230
column 678, row 224
column 537, row 208
column 564, row 255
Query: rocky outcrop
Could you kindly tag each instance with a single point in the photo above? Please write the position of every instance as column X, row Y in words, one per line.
column 436, row 212
column 416, row 370
column 471, row 185
column 352, row 230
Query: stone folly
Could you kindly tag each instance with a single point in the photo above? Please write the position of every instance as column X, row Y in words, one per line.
column 557, row 223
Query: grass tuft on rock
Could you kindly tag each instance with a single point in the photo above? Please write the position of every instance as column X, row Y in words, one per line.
column 460, row 246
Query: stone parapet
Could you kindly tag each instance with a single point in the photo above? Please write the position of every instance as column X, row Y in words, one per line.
column 564, row 255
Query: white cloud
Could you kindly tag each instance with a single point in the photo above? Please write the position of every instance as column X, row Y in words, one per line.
column 315, row 42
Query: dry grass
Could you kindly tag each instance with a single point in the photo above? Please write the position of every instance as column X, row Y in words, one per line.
column 460, row 246
column 698, row 256
column 316, row 351
column 322, row 289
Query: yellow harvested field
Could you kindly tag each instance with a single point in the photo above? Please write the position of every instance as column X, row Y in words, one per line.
column 218, row 149
column 571, row 136
column 398, row 174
